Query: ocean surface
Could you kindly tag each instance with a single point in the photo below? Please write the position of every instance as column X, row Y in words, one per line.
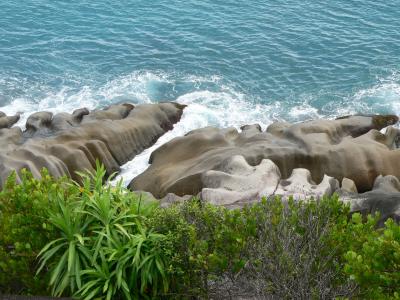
column 233, row 62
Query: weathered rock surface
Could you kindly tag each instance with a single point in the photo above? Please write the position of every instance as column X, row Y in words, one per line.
column 348, row 186
column 301, row 187
column 236, row 183
column 65, row 143
column 7, row 121
column 383, row 198
column 349, row 147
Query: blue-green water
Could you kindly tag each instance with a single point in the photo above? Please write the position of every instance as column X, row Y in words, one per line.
column 282, row 59
column 234, row 62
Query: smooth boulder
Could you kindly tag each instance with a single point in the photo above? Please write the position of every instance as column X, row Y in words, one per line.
column 236, row 183
column 384, row 198
column 350, row 147
column 65, row 143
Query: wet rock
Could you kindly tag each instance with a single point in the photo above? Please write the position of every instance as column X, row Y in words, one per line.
column 383, row 198
column 350, row 147
column 236, row 183
column 65, row 143
column 8, row 121
column 348, row 186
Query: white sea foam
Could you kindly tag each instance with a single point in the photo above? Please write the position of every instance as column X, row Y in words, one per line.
column 231, row 108
column 303, row 112
column 62, row 101
column 135, row 87
column 385, row 96
column 205, row 108
column 211, row 102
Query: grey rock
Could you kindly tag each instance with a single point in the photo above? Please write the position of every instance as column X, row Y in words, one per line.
column 171, row 199
column 66, row 143
column 301, row 187
column 348, row 186
column 8, row 121
column 236, row 183
column 383, row 198
column 350, row 147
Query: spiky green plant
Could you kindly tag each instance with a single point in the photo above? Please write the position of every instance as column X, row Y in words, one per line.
column 105, row 250
column 70, row 248
column 25, row 230
column 132, row 267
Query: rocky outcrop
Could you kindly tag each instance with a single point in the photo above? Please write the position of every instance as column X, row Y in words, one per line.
column 236, row 183
column 7, row 121
column 350, row 147
column 383, row 198
column 65, row 143
column 221, row 166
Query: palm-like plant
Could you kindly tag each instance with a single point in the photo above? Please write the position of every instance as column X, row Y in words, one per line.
column 104, row 249
column 144, row 259
column 129, row 269
column 100, row 280
column 69, row 250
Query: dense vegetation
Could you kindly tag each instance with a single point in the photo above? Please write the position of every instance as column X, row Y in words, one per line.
column 91, row 240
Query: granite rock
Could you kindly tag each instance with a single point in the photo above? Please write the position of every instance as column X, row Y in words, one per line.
column 350, row 147
column 65, row 143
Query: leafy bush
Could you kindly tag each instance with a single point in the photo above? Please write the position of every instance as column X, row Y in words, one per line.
column 207, row 245
column 104, row 250
column 374, row 261
column 271, row 249
column 284, row 250
column 292, row 255
column 24, row 229
column 99, row 241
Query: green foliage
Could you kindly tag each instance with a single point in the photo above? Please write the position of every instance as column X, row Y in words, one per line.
column 207, row 242
column 272, row 248
column 292, row 256
column 104, row 249
column 69, row 250
column 95, row 241
column 24, row 229
column 374, row 261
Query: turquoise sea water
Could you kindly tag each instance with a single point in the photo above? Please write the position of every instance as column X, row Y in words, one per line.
column 235, row 62
column 290, row 59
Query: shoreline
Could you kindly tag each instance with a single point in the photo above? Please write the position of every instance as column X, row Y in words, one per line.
column 223, row 166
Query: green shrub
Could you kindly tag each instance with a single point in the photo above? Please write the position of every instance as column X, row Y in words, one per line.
column 24, row 229
column 105, row 250
column 207, row 245
column 292, row 255
column 374, row 259
column 271, row 249
column 287, row 250
column 99, row 241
